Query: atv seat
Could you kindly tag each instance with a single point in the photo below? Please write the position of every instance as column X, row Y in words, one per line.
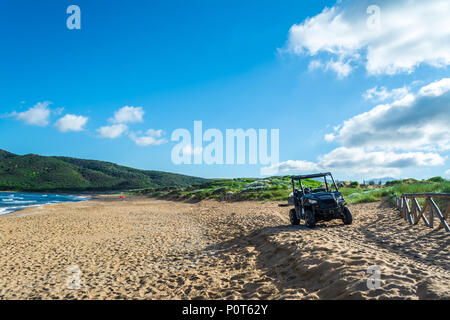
column 298, row 194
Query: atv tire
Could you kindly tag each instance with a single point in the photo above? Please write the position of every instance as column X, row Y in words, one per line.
column 347, row 216
column 310, row 220
column 293, row 218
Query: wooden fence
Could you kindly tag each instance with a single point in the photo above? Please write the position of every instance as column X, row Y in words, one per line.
column 412, row 212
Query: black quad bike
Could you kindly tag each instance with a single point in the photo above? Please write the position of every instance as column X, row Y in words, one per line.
column 313, row 205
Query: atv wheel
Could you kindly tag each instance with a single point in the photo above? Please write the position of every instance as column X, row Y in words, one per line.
column 293, row 217
column 347, row 216
column 310, row 220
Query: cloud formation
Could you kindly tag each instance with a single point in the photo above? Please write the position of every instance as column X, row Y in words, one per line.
column 360, row 161
column 150, row 137
column 71, row 122
column 382, row 94
column 342, row 69
column 416, row 122
column 377, row 162
column 38, row 115
column 394, row 37
column 407, row 133
column 113, row 131
column 128, row 115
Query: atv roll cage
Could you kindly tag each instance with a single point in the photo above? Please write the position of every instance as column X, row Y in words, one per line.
column 321, row 204
column 312, row 176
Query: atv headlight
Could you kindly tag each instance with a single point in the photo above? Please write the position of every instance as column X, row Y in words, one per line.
column 312, row 201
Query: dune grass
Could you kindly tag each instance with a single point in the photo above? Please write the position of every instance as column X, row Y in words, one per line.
column 279, row 188
column 422, row 187
column 401, row 188
column 274, row 189
column 370, row 195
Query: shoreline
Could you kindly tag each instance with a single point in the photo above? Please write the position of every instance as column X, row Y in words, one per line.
column 13, row 207
column 76, row 193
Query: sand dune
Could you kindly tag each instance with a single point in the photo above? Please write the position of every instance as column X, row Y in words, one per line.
column 150, row 249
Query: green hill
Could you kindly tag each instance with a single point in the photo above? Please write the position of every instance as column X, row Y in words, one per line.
column 38, row 173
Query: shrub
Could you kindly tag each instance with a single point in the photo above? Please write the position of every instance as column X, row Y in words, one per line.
column 354, row 184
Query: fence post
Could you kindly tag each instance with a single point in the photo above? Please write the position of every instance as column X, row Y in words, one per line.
column 411, row 211
column 431, row 213
column 408, row 211
column 439, row 215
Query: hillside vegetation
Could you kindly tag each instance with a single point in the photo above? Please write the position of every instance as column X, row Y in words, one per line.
column 279, row 188
column 274, row 188
column 38, row 173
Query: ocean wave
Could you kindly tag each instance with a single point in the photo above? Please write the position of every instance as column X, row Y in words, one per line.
column 11, row 198
column 22, row 202
column 5, row 210
column 82, row 198
column 77, row 198
column 18, row 201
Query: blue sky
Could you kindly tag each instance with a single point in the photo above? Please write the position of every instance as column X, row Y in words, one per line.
column 290, row 66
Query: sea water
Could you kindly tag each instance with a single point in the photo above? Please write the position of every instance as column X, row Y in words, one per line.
column 12, row 201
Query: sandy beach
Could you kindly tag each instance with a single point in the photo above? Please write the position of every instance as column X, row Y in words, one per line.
column 143, row 248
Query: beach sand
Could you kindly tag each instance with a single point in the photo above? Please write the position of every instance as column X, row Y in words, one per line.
column 143, row 248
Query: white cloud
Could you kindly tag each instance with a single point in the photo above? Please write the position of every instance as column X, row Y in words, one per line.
column 406, row 133
column 435, row 89
column 38, row 115
column 382, row 162
column 290, row 166
column 329, row 137
column 416, row 122
column 315, row 64
column 447, row 173
column 155, row 133
column 409, row 33
column 113, row 131
column 128, row 115
column 342, row 69
column 151, row 137
column 359, row 161
column 383, row 94
column 122, row 116
column 71, row 122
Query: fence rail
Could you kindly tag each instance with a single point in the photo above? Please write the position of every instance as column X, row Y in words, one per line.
column 412, row 212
